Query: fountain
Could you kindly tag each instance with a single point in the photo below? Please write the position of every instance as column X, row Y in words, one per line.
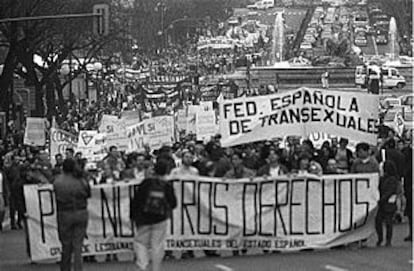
column 393, row 57
column 278, row 39
column 393, row 39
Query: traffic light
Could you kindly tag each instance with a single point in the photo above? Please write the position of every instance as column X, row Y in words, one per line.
column 101, row 21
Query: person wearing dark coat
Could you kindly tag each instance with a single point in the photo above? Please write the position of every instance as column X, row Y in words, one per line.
column 389, row 189
column 408, row 191
column 72, row 191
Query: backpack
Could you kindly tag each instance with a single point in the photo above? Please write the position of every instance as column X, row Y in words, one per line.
column 156, row 204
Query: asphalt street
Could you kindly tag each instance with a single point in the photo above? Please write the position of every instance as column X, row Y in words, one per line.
column 395, row 258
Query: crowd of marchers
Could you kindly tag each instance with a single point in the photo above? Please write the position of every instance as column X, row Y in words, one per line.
column 189, row 156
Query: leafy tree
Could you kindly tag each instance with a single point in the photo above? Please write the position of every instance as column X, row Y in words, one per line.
column 54, row 40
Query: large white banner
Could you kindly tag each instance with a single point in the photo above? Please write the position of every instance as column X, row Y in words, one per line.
column 299, row 112
column 60, row 140
column 154, row 132
column 284, row 213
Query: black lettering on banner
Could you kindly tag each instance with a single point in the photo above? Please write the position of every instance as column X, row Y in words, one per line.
column 308, row 182
column 273, row 118
column 363, row 203
column 241, row 126
column 339, row 105
column 209, row 208
column 326, row 204
column 263, row 206
column 173, row 182
column 315, row 114
column 354, row 105
column 237, row 109
column 284, row 117
column 224, row 207
column 294, row 114
column 292, row 203
column 351, row 123
column 307, row 99
column 328, row 115
column 43, row 214
column 274, row 103
column 286, row 101
column 297, row 95
column 281, row 204
column 111, row 217
column 361, row 126
column 317, row 97
column 245, row 216
column 340, row 117
column 330, row 101
column 305, row 114
column 251, row 108
column 226, row 109
column 341, row 197
column 185, row 205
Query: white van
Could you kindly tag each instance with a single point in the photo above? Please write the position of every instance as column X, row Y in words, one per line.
column 264, row 4
column 390, row 76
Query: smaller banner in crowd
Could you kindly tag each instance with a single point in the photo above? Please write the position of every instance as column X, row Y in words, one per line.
column 284, row 213
column 154, row 132
column 60, row 140
column 34, row 134
column 92, row 146
column 115, row 131
column 206, row 125
column 299, row 112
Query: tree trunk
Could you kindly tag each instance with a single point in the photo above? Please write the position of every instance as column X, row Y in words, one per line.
column 50, row 98
column 59, row 90
column 6, row 78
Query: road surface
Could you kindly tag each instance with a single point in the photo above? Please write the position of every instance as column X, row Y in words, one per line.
column 396, row 258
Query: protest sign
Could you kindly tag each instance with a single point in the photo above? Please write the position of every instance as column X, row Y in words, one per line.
column 181, row 119
column 109, row 124
column 191, row 119
column 299, row 112
column 206, row 125
column 92, row 145
column 60, row 140
column 284, row 213
column 34, row 134
column 318, row 138
column 154, row 132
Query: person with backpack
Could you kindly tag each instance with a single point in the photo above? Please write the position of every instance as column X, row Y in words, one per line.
column 150, row 209
column 72, row 192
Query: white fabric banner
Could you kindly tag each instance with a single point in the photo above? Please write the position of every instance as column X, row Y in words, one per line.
column 34, row 134
column 284, row 213
column 299, row 112
column 60, row 140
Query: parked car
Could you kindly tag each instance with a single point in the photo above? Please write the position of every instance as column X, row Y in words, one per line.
column 391, row 77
